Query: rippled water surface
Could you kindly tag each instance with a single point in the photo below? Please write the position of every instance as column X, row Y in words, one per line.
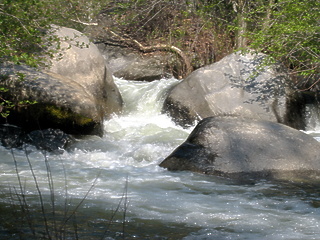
column 113, row 188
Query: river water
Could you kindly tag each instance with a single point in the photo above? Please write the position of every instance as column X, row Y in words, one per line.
column 113, row 188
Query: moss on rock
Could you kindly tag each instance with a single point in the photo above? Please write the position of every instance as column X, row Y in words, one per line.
column 62, row 115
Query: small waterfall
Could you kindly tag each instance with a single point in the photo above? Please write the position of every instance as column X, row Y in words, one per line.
column 144, row 98
column 313, row 117
column 160, row 204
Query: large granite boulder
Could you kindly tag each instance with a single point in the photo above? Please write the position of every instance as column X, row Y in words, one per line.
column 131, row 64
column 237, row 85
column 75, row 93
column 131, row 60
column 238, row 147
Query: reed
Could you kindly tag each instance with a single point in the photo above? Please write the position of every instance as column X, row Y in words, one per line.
column 49, row 220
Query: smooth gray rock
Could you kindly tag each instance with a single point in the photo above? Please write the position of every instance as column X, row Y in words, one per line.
column 131, row 64
column 237, row 147
column 124, row 58
column 81, row 61
column 236, row 86
column 75, row 93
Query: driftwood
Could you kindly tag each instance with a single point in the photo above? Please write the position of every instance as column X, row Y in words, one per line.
column 129, row 42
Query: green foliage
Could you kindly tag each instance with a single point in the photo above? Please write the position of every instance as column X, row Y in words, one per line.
column 286, row 29
column 207, row 30
column 20, row 36
column 6, row 105
column 24, row 22
column 21, row 25
column 291, row 35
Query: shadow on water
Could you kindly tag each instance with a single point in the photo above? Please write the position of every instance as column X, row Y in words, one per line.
column 88, row 223
column 162, row 204
column 96, row 220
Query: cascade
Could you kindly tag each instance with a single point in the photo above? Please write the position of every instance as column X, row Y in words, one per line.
column 117, row 177
column 313, row 117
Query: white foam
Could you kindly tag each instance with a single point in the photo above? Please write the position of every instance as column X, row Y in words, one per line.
column 133, row 146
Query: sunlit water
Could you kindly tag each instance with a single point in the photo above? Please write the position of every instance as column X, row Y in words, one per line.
column 119, row 175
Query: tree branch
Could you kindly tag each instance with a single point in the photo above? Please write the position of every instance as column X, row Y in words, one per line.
column 84, row 23
column 160, row 47
column 18, row 19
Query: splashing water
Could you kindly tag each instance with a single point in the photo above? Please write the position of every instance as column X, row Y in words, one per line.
column 158, row 204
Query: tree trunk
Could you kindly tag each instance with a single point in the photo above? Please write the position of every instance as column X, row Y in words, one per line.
column 241, row 9
column 267, row 19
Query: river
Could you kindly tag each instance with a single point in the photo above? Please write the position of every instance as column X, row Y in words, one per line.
column 113, row 188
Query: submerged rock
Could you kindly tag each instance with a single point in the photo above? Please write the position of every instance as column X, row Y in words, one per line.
column 236, row 147
column 50, row 140
column 237, row 85
column 11, row 136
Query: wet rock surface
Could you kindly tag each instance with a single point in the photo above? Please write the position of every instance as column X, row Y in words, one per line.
column 49, row 140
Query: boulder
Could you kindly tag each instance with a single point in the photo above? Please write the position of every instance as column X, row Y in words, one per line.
column 75, row 93
column 11, row 136
column 129, row 59
column 238, row 147
column 132, row 64
column 49, row 140
column 237, row 85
